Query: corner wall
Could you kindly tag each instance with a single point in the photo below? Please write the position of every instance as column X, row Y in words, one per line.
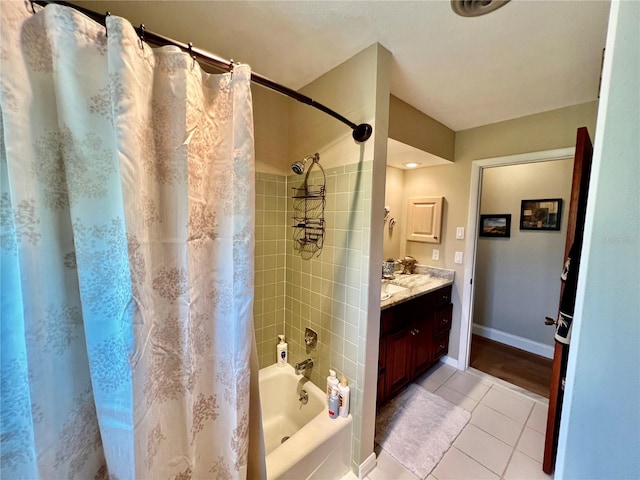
column 331, row 292
column 271, row 133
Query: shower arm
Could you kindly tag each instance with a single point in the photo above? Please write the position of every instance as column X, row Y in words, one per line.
column 315, row 160
column 361, row 133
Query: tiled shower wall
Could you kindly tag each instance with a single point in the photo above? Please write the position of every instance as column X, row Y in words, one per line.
column 327, row 293
column 271, row 231
column 324, row 293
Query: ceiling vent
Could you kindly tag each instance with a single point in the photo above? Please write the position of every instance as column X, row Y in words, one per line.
column 475, row 8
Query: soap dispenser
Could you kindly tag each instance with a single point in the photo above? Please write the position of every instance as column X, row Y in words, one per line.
column 282, row 351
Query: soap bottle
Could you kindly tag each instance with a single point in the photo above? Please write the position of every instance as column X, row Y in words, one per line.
column 333, row 403
column 282, row 351
column 332, row 381
column 343, row 397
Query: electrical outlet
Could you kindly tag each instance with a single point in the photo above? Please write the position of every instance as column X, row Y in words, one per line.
column 435, row 255
column 460, row 233
column 458, row 257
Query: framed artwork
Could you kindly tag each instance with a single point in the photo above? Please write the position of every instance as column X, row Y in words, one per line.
column 496, row 225
column 544, row 214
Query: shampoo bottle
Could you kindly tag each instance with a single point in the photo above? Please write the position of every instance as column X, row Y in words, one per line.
column 332, row 381
column 343, row 397
column 282, row 351
column 333, row 403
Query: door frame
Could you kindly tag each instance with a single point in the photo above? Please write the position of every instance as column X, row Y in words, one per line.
column 468, row 290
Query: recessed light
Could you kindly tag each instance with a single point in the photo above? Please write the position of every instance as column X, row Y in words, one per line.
column 412, row 164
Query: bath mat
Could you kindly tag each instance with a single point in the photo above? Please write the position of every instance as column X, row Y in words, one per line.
column 417, row 428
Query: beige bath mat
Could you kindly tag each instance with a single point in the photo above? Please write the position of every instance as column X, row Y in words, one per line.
column 417, row 428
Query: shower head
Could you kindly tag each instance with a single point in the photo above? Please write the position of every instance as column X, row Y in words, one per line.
column 298, row 167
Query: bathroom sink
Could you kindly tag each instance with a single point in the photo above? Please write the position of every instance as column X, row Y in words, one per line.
column 389, row 289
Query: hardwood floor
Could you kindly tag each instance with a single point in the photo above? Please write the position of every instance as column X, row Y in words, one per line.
column 512, row 365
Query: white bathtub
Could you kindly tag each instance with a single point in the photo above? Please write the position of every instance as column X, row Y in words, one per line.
column 318, row 447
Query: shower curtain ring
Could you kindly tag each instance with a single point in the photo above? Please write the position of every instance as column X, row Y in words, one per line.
column 193, row 65
column 141, row 36
column 106, row 28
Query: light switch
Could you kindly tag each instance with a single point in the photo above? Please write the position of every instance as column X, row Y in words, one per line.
column 435, row 255
column 458, row 257
column 460, row 233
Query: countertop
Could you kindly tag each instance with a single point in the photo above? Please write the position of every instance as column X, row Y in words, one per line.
column 426, row 280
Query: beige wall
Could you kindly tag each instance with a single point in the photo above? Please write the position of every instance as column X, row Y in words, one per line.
column 271, row 130
column 349, row 89
column 411, row 126
column 394, row 198
column 543, row 131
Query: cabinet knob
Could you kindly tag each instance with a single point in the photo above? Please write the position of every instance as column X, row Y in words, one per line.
column 445, row 320
column 441, row 347
column 413, row 332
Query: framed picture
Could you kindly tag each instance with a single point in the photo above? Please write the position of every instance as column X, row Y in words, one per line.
column 542, row 214
column 498, row 225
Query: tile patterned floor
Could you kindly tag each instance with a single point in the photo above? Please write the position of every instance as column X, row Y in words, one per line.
column 503, row 440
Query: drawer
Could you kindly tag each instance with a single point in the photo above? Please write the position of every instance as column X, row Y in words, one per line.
column 394, row 319
column 442, row 319
column 440, row 345
column 442, row 296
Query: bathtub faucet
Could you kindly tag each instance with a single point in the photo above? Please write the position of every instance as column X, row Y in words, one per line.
column 303, row 366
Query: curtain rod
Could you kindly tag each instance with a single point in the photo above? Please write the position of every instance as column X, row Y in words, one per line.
column 361, row 133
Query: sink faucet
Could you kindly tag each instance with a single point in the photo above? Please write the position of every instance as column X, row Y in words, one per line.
column 303, row 366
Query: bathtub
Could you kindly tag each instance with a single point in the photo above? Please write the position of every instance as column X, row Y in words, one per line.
column 318, row 447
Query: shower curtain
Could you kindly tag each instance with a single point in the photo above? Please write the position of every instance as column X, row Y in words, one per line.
column 127, row 216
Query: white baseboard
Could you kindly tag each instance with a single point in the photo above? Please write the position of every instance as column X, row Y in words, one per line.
column 514, row 340
column 366, row 466
column 450, row 361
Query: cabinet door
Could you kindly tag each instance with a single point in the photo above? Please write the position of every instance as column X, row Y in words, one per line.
column 424, row 219
column 397, row 369
column 421, row 335
column 382, row 372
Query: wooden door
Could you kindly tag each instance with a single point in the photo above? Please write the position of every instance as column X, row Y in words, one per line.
column 575, row 230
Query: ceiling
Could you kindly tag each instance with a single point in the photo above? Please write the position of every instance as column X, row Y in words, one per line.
column 524, row 58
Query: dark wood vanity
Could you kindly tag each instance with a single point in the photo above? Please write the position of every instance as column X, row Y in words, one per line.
column 414, row 334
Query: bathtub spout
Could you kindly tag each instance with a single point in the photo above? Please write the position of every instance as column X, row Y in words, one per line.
column 303, row 366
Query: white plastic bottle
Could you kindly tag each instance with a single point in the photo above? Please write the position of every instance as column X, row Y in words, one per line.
column 343, row 397
column 332, row 381
column 333, row 403
column 282, row 351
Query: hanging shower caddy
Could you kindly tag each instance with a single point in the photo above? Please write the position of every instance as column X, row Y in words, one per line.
column 308, row 210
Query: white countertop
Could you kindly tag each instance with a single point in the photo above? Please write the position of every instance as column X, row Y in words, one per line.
column 427, row 280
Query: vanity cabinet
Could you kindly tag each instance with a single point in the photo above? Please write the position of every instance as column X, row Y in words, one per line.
column 413, row 336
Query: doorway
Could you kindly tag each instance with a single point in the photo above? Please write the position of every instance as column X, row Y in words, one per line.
column 479, row 168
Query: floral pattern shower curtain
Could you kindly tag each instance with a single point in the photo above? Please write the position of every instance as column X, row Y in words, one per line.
column 127, row 186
